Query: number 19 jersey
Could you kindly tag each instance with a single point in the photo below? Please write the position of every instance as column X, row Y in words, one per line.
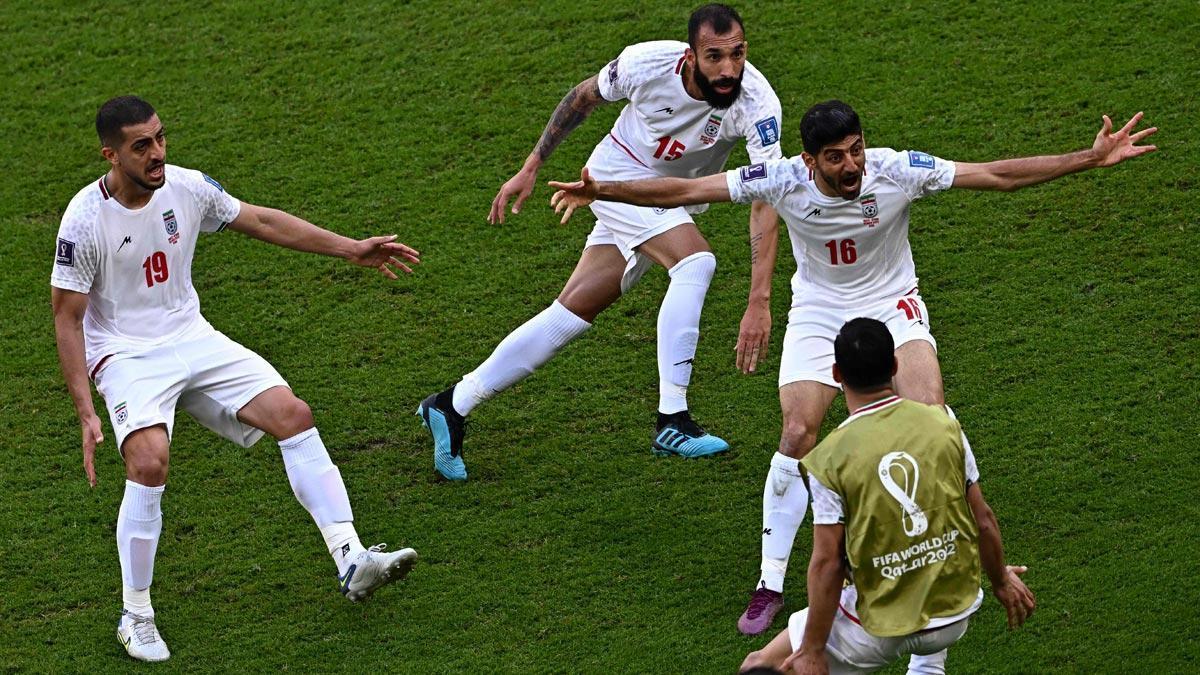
column 135, row 265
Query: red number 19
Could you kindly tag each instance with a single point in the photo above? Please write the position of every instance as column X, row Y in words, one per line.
column 156, row 268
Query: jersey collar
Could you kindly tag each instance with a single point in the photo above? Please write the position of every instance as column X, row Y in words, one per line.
column 881, row 404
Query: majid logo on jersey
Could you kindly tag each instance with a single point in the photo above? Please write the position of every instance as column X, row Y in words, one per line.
column 912, row 517
column 711, row 128
column 172, row 225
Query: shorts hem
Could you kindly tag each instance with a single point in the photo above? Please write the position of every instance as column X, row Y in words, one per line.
column 807, row 376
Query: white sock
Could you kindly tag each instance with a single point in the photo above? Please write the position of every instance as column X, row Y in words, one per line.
column 524, row 350
column 139, row 524
column 785, row 501
column 679, row 328
column 318, row 486
column 929, row 664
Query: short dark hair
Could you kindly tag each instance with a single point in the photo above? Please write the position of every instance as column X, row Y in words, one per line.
column 720, row 17
column 118, row 113
column 827, row 122
column 865, row 354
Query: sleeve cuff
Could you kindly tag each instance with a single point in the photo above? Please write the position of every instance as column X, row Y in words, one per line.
column 70, row 285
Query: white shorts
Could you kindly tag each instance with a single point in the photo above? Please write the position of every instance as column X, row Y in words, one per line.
column 851, row 649
column 210, row 378
column 814, row 322
column 624, row 225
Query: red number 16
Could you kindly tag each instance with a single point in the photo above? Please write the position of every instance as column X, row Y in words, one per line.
column 156, row 268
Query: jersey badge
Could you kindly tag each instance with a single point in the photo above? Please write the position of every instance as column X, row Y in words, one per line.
column 870, row 210
column 121, row 412
column 172, row 226
column 920, row 160
column 768, row 130
column 612, row 72
column 754, row 172
column 212, row 182
column 711, row 128
column 65, row 253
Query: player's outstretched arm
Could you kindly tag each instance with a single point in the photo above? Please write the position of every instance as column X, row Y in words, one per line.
column 572, row 110
column 825, row 573
column 1007, row 586
column 283, row 229
column 663, row 192
column 69, row 308
column 1013, row 174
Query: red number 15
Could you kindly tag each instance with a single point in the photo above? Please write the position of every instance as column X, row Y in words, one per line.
column 156, row 268
column 673, row 149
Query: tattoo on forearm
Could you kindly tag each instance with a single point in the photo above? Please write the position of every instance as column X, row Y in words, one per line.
column 755, row 239
column 572, row 110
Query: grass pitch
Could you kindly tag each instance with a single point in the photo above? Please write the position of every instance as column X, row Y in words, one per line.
column 1066, row 316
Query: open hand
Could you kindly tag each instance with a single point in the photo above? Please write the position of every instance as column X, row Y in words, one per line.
column 519, row 186
column 1114, row 148
column 806, row 661
column 571, row 196
column 383, row 253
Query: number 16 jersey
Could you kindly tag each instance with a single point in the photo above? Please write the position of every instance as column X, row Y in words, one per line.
column 135, row 265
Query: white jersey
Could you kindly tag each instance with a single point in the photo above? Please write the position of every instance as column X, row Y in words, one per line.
column 136, row 265
column 847, row 252
column 667, row 131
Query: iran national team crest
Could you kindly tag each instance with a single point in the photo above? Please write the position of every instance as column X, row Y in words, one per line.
column 870, row 210
column 711, row 128
column 122, row 412
column 172, row 225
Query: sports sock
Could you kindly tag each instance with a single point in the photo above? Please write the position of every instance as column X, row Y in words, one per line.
column 785, row 501
column 928, row 664
column 139, row 524
column 318, row 486
column 524, row 350
column 679, row 328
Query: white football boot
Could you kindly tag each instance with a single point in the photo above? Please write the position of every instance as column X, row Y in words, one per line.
column 140, row 637
column 373, row 568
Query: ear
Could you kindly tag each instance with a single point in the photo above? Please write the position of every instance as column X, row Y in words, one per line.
column 837, row 374
column 895, row 366
column 110, row 154
column 809, row 161
column 690, row 57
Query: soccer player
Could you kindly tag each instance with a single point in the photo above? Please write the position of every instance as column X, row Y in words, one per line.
column 846, row 207
column 126, row 315
column 898, row 510
column 689, row 105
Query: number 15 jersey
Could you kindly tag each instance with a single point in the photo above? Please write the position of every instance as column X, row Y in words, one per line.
column 135, row 265
column 667, row 131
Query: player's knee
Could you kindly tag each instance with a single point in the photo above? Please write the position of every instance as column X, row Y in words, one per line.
column 295, row 416
column 798, row 438
column 147, row 468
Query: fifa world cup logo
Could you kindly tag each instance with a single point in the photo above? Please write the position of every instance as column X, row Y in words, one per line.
column 901, row 465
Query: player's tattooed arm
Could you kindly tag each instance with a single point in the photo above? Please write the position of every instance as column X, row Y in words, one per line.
column 572, row 110
column 754, row 332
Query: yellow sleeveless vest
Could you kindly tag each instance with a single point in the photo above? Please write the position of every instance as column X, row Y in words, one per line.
column 911, row 539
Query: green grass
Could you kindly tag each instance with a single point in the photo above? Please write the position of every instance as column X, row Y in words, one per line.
column 1066, row 317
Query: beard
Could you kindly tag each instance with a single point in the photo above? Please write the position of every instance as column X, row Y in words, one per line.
column 713, row 97
column 144, row 182
column 838, row 183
